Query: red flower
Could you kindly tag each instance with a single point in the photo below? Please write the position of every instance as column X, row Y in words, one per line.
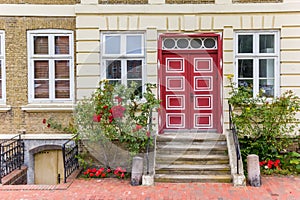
column 48, row 125
column 105, row 107
column 92, row 174
column 103, row 175
column 117, row 111
column 148, row 133
column 97, row 118
column 44, row 121
column 94, row 170
column 122, row 175
column 270, row 164
column 276, row 163
column 262, row 163
column 108, row 170
column 98, row 173
column 119, row 99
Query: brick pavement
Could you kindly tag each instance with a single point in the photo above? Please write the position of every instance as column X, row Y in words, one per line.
column 279, row 188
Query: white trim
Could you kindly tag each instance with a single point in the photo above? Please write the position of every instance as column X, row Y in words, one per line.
column 48, row 107
column 51, row 56
column 256, row 56
column 123, row 57
column 3, row 67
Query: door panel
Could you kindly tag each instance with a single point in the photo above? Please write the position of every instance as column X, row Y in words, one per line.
column 189, row 90
column 47, row 166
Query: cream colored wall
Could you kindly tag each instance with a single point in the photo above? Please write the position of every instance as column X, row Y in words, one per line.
column 156, row 19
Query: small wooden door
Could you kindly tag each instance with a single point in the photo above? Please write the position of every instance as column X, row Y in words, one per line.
column 190, row 87
column 47, row 167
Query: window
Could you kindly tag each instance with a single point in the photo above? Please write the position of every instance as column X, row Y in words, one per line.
column 123, row 59
column 51, row 71
column 2, row 68
column 257, row 62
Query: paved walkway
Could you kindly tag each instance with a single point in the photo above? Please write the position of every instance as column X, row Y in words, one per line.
column 281, row 188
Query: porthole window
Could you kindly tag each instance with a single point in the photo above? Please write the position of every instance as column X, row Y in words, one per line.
column 190, row 43
column 182, row 43
column 169, row 43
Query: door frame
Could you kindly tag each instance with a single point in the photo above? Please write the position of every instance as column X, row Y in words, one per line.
column 219, row 68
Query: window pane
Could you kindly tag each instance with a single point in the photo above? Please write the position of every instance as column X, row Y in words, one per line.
column 62, row 89
column 245, row 44
column 134, row 69
column 266, row 44
column 112, row 44
column 245, row 68
column 62, row 69
column 266, row 68
column 266, row 87
column 41, row 69
column 41, row 89
column 61, row 44
column 134, row 44
column 40, row 45
column 113, row 69
column 245, row 83
column 114, row 82
column 138, row 85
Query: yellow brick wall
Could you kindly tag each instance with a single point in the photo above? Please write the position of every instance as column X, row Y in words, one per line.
column 16, row 73
column 60, row 2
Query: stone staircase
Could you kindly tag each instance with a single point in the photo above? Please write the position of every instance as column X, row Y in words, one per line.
column 192, row 157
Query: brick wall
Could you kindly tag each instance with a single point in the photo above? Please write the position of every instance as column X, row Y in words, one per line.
column 16, row 73
column 17, row 177
column 60, row 2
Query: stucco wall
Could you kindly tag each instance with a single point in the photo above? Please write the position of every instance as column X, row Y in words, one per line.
column 154, row 20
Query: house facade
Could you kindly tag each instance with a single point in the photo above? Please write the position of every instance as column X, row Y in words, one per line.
column 53, row 53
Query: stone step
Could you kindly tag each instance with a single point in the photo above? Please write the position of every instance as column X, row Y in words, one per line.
column 222, row 167
column 192, row 178
column 190, row 137
column 192, row 159
column 191, row 147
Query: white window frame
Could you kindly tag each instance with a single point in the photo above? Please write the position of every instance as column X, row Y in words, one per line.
column 123, row 56
column 3, row 72
column 256, row 56
column 51, row 57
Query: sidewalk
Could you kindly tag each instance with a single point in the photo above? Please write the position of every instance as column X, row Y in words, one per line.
column 280, row 188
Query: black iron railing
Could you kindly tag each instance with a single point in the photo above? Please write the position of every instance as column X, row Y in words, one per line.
column 11, row 155
column 70, row 159
column 232, row 127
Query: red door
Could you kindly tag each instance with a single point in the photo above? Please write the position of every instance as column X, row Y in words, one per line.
column 190, row 88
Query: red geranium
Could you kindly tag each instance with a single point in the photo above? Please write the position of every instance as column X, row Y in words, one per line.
column 117, row 111
column 97, row 118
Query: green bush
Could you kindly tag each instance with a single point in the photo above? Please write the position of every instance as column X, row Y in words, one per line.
column 265, row 126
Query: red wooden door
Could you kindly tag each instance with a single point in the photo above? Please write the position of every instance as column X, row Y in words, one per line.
column 190, row 91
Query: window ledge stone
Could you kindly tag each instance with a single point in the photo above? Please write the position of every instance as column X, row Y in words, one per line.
column 48, row 107
column 4, row 108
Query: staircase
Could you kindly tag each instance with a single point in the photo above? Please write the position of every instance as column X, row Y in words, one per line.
column 192, row 157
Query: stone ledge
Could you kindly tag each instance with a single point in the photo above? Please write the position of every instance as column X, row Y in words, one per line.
column 4, row 108
column 48, row 107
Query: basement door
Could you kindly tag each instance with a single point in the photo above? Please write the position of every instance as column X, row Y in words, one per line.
column 48, row 166
column 190, row 90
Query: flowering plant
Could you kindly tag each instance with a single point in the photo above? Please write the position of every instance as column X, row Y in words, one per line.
column 102, row 172
column 270, row 164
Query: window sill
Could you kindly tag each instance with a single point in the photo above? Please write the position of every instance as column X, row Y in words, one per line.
column 4, row 108
column 48, row 108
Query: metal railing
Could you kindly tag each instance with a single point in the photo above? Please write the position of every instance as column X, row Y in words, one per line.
column 11, row 155
column 70, row 159
column 232, row 127
column 149, row 128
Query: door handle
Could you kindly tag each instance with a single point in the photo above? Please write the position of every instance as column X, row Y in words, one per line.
column 192, row 96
